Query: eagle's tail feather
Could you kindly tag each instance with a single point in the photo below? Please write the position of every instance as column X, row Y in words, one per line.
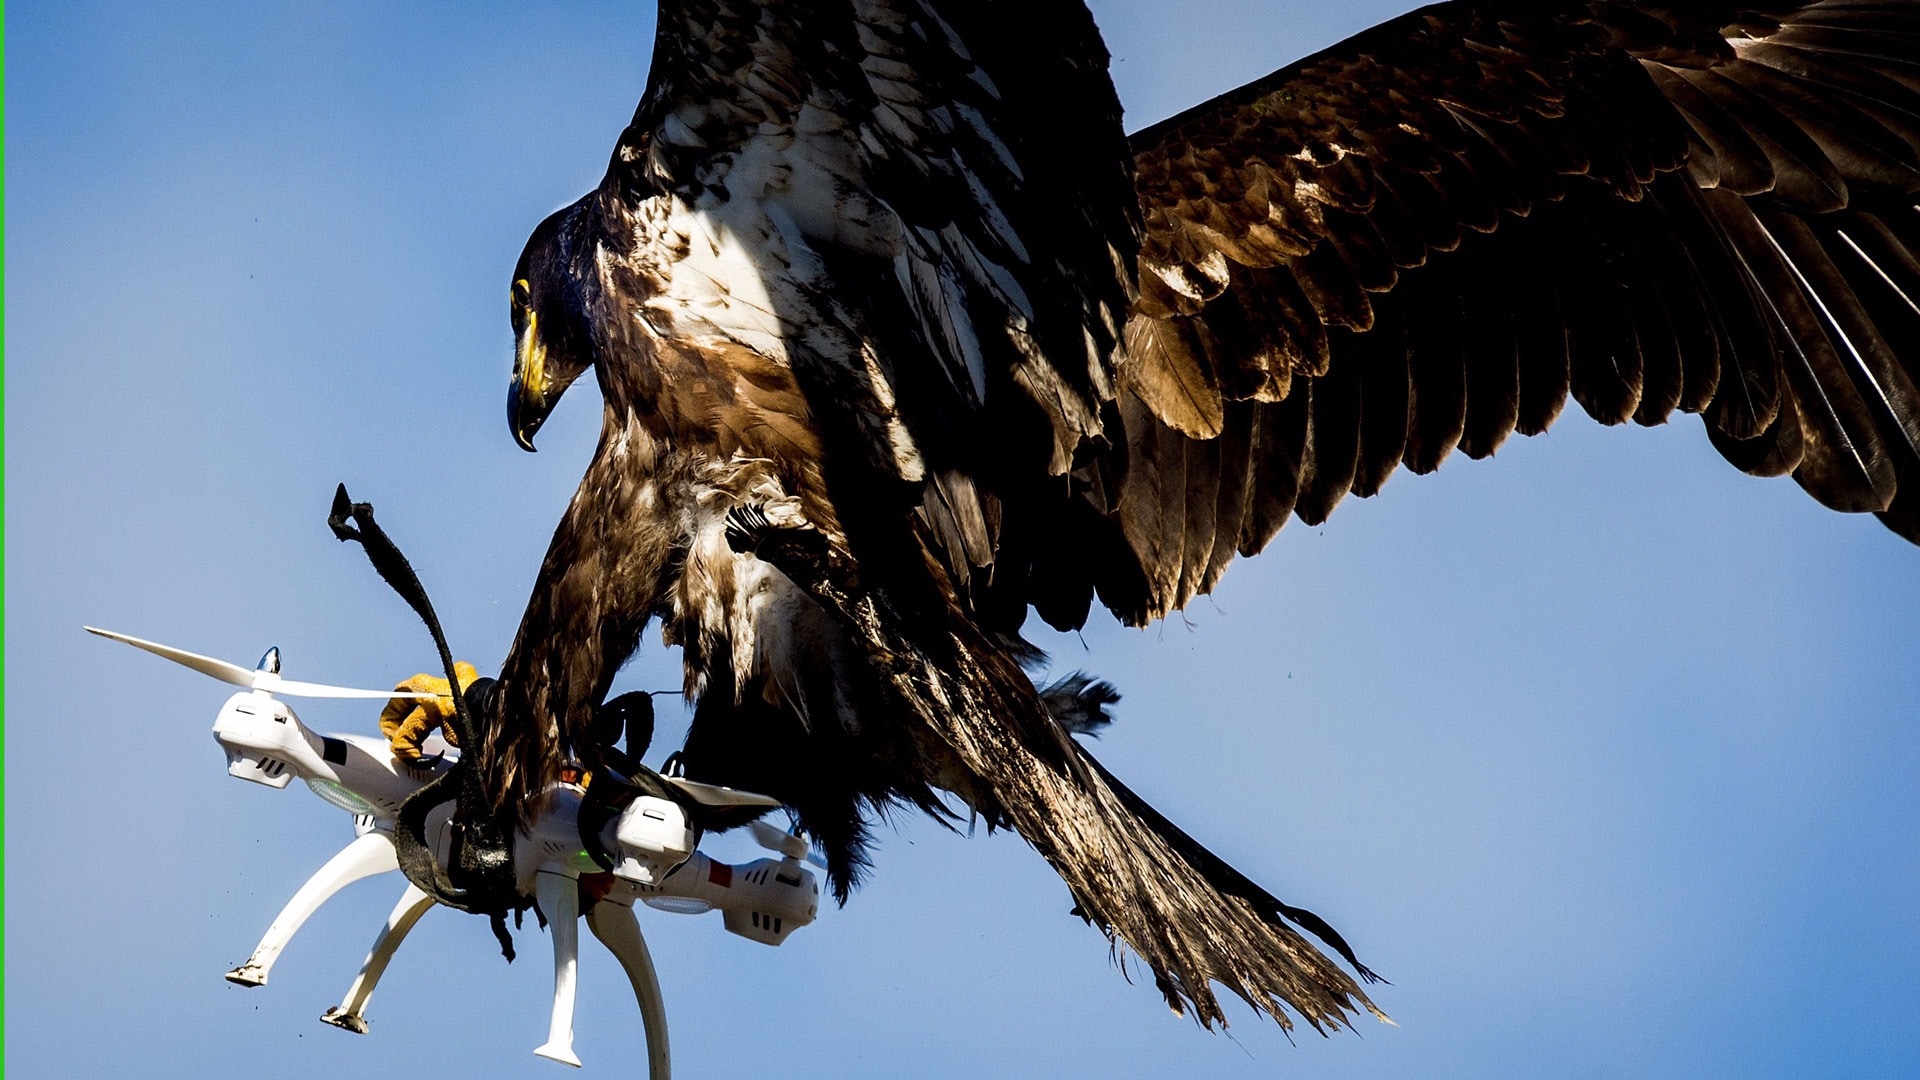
column 1228, row 880
column 1183, row 910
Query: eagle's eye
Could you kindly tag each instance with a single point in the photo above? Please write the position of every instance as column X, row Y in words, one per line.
column 522, row 294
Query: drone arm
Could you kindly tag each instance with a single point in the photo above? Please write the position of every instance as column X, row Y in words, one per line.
column 559, row 898
column 351, row 1012
column 617, row 929
column 369, row 854
column 764, row 901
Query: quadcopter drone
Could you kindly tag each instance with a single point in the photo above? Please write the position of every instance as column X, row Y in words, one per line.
column 646, row 851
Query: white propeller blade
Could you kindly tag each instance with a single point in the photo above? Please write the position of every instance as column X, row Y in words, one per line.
column 314, row 689
column 715, row 795
column 774, row 838
column 248, row 677
column 205, row 665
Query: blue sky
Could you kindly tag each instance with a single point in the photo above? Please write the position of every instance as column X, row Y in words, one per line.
column 1603, row 752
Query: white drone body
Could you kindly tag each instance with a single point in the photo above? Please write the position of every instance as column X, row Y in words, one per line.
column 651, row 841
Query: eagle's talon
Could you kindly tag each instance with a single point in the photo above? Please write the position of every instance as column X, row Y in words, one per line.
column 749, row 525
column 746, row 525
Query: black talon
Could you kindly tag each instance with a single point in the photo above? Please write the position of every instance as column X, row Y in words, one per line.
column 746, row 526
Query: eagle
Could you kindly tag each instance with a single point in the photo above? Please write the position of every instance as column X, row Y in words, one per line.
column 902, row 338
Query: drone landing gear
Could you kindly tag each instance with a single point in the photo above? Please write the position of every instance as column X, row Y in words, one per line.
column 619, row 931
column 559, row 897
column 369, row 854
column 350, row 1014
column 612, row 923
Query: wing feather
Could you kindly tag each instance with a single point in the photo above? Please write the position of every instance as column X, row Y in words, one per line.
column 1380, row 356
column 1333, row 442
column 1493, row 359
column 1433, row 234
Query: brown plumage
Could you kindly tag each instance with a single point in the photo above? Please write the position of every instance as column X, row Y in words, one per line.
column 900, row 337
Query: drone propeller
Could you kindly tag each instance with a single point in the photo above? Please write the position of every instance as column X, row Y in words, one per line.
column 776, row 839
column 266, row 677
column 716, row 796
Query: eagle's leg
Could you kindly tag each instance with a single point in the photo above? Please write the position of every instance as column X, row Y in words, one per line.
column 482, row 850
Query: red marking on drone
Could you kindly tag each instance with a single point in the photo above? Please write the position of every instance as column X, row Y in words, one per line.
column 594, row 888
column 720, row 874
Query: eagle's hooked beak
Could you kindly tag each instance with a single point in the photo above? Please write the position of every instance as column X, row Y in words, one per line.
column 528, row 400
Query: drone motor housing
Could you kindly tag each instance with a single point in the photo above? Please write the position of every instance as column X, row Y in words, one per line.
column 652, row 836
column 252, row 728
column 780, row 896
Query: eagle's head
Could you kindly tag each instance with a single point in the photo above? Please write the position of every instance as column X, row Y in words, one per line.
column 552, row 343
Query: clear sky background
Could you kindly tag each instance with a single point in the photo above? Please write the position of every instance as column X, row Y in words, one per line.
column 1602, row 752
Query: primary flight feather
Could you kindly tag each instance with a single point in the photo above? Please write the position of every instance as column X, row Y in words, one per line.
column 900, row 336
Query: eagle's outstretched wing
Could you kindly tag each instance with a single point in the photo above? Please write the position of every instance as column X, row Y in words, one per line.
column 1428, row 236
